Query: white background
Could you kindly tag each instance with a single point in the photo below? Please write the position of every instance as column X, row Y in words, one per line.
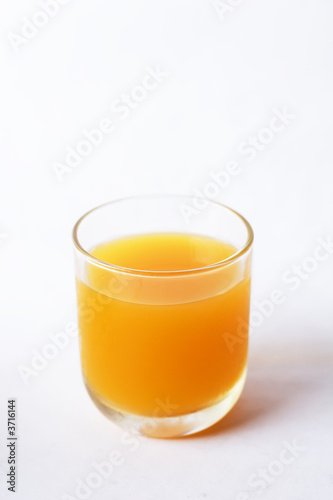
column 227, row 74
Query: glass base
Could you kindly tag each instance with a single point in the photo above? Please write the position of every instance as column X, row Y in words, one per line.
column 170, row 427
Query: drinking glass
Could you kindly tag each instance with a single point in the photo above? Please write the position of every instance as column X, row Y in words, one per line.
column 163, row 353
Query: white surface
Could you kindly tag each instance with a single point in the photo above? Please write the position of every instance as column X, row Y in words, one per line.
column 225, row 79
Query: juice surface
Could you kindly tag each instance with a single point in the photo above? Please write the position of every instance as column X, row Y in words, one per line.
column 164, row 252
column 157, row 357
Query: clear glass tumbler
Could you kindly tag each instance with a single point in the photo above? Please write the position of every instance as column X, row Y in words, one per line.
column 163, row 350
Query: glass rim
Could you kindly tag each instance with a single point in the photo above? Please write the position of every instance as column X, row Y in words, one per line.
column 139, row 272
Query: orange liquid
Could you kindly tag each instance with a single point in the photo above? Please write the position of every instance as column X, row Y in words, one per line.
column 147, row 343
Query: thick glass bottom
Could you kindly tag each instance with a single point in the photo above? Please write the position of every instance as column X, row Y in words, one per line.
column 170, row 427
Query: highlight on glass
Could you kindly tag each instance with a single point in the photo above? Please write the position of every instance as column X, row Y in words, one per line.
column 163, row 308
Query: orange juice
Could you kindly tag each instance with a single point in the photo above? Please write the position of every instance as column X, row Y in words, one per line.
column 163, row 339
